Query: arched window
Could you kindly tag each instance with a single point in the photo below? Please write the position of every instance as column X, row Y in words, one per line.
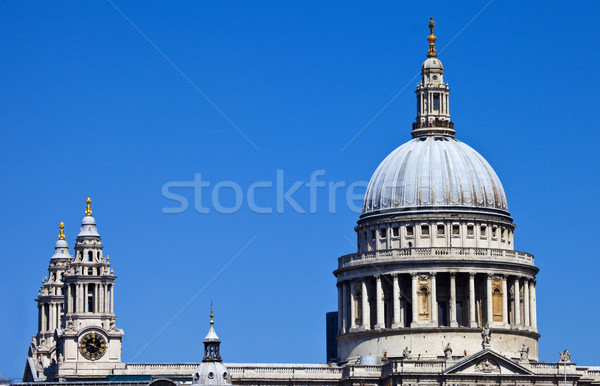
column 423, row 303
column 90, row 256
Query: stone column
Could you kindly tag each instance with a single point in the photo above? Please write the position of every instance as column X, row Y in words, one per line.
column 366, row 310
column 453, row 322
column 533, row 304
column 340, row 306
column 344, row 310
column 379, row 303
column 526, row 303
column 352, row 306
column 434, row 303
column 472, row 321
column 397, row 320
column 488, row 299
column 415, row 309
column 112, row 299
column 80, row 297
column 51, row 316
column 504, row 300
column 517, row 302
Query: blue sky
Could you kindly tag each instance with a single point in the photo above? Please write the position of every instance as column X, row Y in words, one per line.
column 89, row 107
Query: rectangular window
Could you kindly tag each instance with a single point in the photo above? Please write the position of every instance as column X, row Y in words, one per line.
column 436, row 101
column 470, row 230
column 455, row 230
column 409, row 230
column 383, row 233
column 425, row 230
column 502, row 232
column 441, row 229
column 396, row 231
column 494, row 232
column 483, row 230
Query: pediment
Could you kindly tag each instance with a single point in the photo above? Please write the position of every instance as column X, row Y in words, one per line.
column 487, row 362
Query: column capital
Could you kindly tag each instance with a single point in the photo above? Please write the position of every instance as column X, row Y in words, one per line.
column 394, row 275
column 378, row 277
column 472, row 275
column 452, row 274
column 432, row 274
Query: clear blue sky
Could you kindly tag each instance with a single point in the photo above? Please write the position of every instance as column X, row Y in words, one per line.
column 88, row 107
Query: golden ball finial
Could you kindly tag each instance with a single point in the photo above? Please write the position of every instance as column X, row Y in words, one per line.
column 431, row 53
column 211, row 311
column 88, row 208
column 61, row 234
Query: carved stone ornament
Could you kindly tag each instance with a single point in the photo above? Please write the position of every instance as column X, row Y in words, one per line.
column 406, row 353
column 524, row 352
column 487, row 366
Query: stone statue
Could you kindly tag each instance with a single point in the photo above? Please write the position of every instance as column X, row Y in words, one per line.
column 406, row 354
column 61, row 359
column 565, row 356
column 70, row 326
column 524, row 352
column 448, row 351
column 486, row 336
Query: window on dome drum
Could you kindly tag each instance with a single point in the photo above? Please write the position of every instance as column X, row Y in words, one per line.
column 395, row 231
column 409, row 230
column 441, row 229
column 455, row 230
column 502, row 232
column 425, row 230
column 383, row 233
column 470, row 230
column 483, row 230
column 494, row 232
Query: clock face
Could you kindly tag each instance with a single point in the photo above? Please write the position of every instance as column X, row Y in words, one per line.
column 92, row 346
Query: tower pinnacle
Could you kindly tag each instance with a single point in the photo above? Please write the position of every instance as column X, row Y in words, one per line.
column 61, row 234
column 432, row 53
column 88, row 208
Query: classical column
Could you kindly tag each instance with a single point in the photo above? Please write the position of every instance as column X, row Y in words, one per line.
column 504, row 300
column 379, row 303
column 51, row 317
column 453, row 322
column 352, row 306
column 526, row 302
column 344, row 311
column 488, row 299
column 415, row 309
column 112, row 299
column 472, row 321
column 397, row 320
column 517, row 302
column 434, row 303
column 533, row 304
column 366, row 310
column 340, row 306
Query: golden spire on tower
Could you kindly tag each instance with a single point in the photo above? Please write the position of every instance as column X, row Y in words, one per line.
column 432, row 53
column 88, row 208
column 211, row 312
column 61, row 234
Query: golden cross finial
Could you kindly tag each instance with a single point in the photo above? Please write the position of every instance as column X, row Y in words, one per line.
column 432, row 53
column 211, row 311
column 61, row 234
column 88, row 208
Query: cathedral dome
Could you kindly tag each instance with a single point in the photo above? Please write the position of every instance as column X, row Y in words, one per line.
column 434, row 172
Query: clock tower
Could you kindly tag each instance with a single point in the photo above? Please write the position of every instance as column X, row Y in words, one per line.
column 89, row 341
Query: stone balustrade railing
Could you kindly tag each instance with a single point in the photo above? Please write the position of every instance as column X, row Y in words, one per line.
column 434, row 253
column 291, row 371
column 241, row 370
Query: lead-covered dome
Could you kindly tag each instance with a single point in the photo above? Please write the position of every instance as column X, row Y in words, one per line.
column 434, row 172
